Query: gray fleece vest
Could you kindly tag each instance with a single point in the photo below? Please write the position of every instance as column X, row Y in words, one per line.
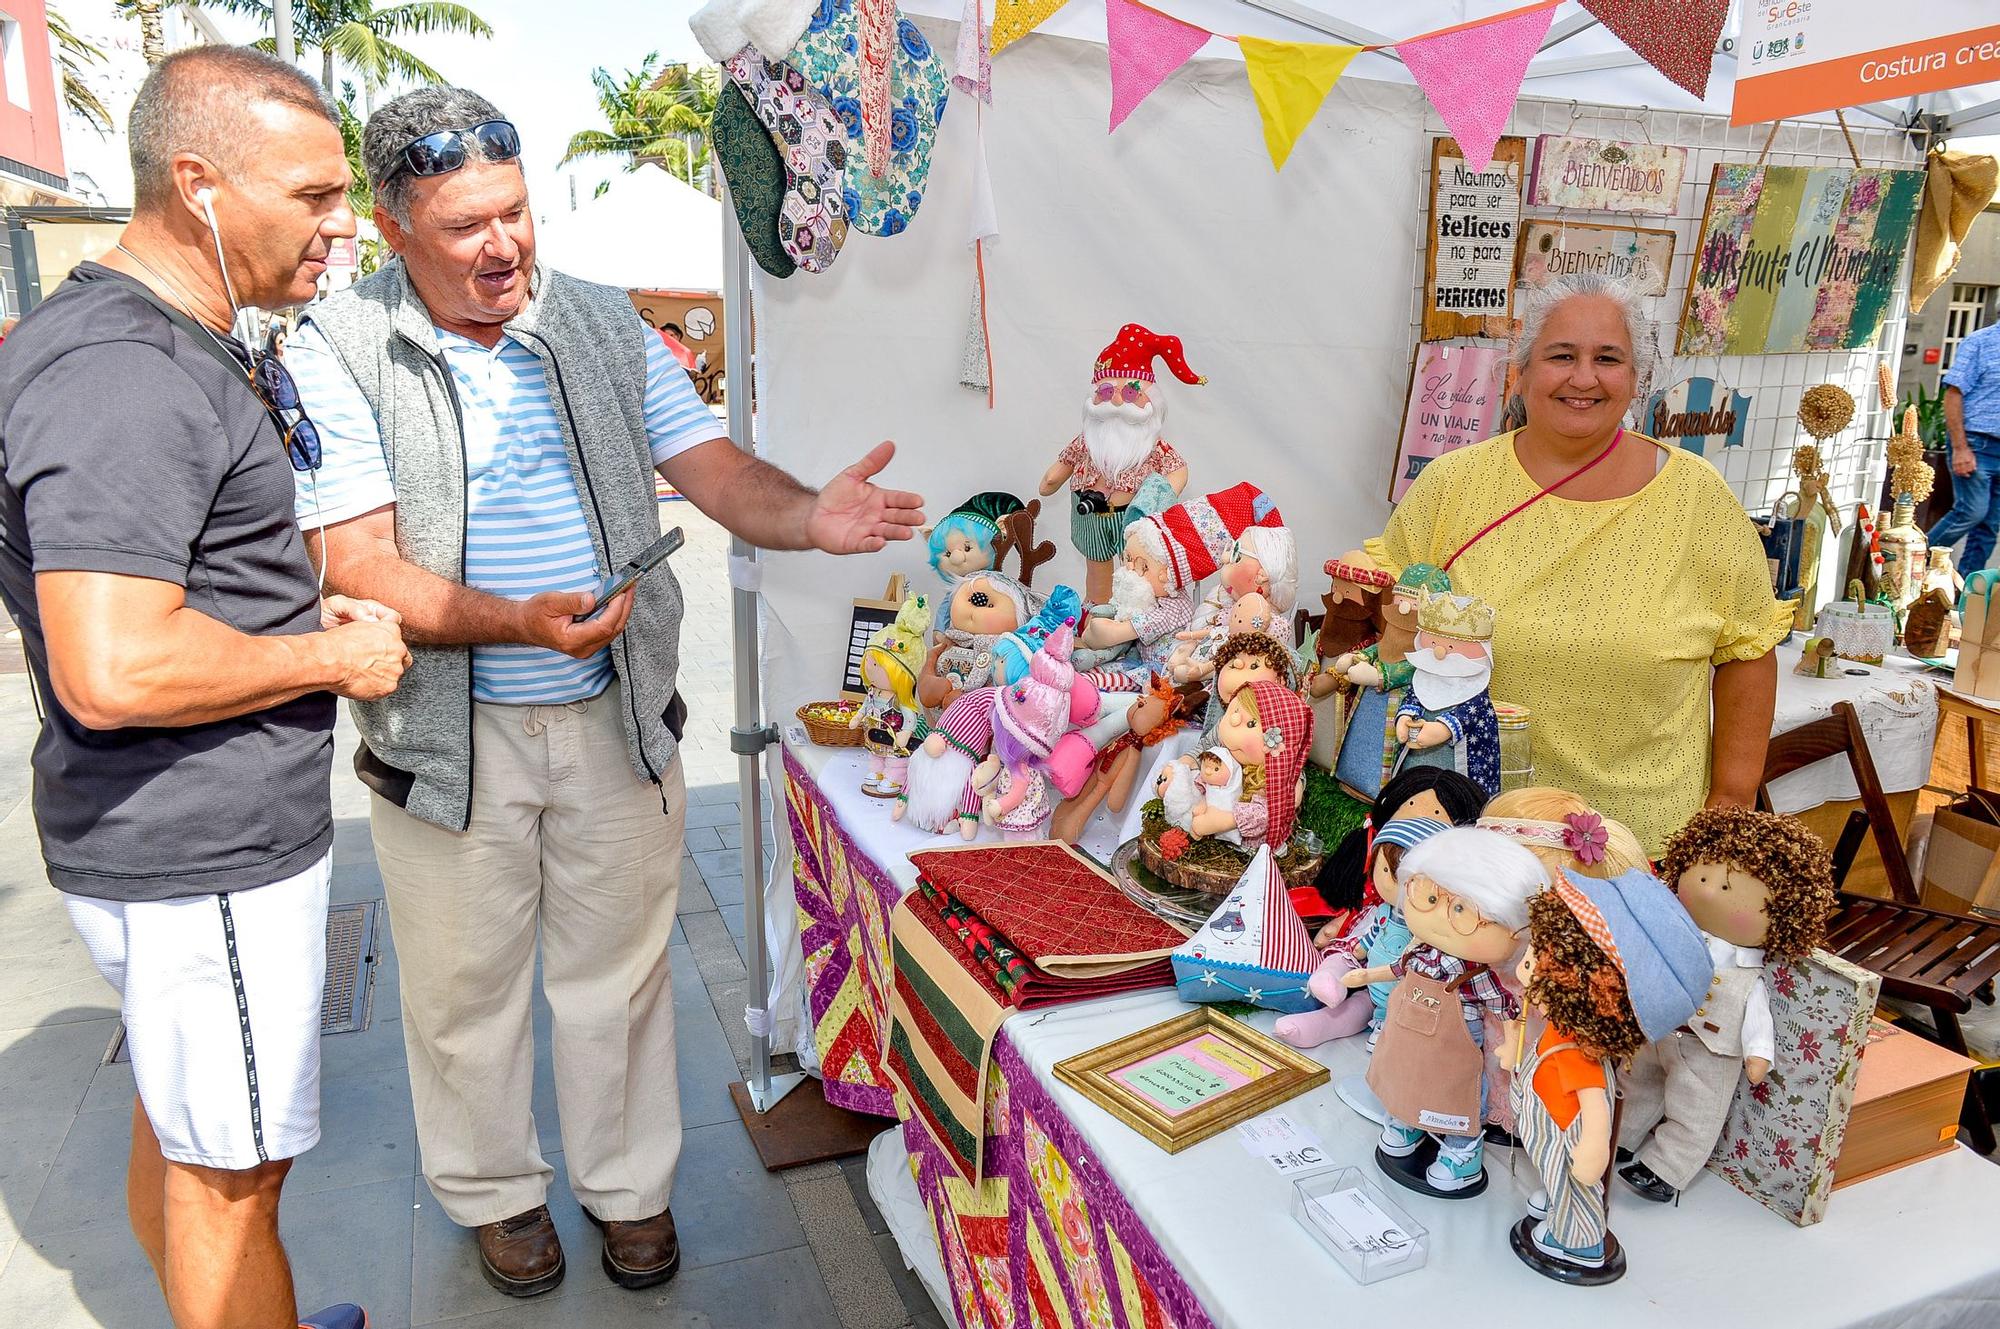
column 592, row 346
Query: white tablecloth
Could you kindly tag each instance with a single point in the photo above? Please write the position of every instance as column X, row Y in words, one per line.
column 1897, row 703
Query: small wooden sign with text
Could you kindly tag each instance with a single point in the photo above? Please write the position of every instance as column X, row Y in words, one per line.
column 1604, row 175
column 1475, row 233
column 1639, row 255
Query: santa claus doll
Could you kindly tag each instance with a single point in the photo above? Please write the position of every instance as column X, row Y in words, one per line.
column 1120, row 447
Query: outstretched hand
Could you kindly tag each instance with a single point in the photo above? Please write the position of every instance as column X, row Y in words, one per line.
column 853, row 515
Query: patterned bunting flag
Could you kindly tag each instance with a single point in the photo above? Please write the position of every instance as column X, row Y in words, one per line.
column 1676, row 37
column 1290, row 80
column 1145, row 46
column 1472, row 74
column 1015, row 19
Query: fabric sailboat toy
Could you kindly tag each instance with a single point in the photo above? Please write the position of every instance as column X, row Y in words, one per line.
column 1254, row 948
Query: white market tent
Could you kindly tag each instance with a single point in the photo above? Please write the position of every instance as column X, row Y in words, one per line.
column 1296, row 293
column 648, row 231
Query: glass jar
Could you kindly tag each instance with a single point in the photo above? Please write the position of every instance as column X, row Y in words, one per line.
column 1517, row 757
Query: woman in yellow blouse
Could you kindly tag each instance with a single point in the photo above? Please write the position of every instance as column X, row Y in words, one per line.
column 1632, row 596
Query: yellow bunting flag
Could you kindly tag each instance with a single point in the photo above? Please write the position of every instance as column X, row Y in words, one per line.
column 1015, row 19
column 1290, row 80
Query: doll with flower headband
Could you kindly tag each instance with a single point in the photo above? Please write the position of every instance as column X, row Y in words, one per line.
column 889, row 719
column 1565, row 832
column 1611, row 964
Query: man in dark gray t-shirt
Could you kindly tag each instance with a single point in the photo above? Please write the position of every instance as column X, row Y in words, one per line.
column 187, row 666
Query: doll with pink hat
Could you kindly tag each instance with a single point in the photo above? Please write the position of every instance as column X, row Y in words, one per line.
column 1034, row 715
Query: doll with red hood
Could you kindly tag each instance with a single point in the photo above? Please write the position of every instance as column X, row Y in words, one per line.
column 1268, row 729
column 1119, row 448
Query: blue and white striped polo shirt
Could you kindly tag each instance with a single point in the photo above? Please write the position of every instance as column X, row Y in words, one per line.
column 524, row 529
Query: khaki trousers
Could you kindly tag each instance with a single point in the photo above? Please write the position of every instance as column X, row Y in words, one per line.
column 1677, row 1098
column 565, row 840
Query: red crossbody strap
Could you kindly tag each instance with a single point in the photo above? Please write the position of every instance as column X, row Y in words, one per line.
column 1527, row 503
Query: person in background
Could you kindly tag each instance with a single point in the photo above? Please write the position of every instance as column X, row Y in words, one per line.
column 1631, row 596
column 1972, row 421
column 186, row 662
column 525, row 779
column 7, row 326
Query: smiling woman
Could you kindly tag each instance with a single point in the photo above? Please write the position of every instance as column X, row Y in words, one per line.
column 1629, row 584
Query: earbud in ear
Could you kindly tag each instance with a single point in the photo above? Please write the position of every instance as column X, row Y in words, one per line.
column 205, row 196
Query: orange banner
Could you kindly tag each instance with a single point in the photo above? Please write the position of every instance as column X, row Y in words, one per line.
column 1924, row 65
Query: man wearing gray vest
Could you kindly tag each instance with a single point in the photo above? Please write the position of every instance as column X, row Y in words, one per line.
column 491, row 430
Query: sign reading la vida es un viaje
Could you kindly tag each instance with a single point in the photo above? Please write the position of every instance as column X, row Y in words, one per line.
column 1795, row 57
column 1475, row 231
column 1607, row 175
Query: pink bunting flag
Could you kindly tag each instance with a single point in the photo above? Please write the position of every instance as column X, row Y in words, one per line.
column 1473, row 73
column 1145, row 46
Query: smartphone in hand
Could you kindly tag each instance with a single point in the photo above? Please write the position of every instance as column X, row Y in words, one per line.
column 654, row 555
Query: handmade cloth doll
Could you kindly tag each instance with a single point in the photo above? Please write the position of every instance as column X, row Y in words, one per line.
column 1220, row 776
column 1759, row 886
column 1353, row 620
column 964, row 539
column 1013, row 650
column 1465, row 897
column 1242, row 660
column 1565, row 832
column 984, row 606
column 1379, row 938
column 937, row 791
column 1254, row 592
column 1119, row 740
column 1380, row 675
column 1033, row 715
column 1424, row 791
column 1120, row 447
column 1446, row 718
column 889, row 718
column 1180, row 793
column 1166, row 555
column 1611, row 964
column 1268, row 729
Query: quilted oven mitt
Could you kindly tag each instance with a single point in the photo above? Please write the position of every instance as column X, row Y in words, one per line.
column 756, row 176
column 812, row 147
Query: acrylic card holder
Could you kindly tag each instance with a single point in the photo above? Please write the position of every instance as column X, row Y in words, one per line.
column 1367, row 1233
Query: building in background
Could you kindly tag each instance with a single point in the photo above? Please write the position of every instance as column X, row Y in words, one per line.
column 1967, row 302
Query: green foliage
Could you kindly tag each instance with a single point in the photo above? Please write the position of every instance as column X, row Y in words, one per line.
column 654, row 115
column 1328, row 812
column 73, row 53
column 355, row 34
column 1930, row 418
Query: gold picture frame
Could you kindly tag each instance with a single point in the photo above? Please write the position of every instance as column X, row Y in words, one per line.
column 1185, row 1079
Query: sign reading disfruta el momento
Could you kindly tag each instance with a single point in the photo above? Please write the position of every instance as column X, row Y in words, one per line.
column 1604, row 175
column 1797, row 258
column 1475, row 229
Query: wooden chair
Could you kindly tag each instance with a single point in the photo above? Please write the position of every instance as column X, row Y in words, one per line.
column 1929, row 957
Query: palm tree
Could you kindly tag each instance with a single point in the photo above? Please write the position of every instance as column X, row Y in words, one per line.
column 152, row 30
column 656, row 116
column 72, row 54
column 358, row 35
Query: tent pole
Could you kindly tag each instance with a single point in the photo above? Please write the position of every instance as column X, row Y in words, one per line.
column 749, row 736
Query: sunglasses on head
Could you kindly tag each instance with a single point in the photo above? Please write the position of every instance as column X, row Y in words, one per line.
column 447, row 150
column 280, row 394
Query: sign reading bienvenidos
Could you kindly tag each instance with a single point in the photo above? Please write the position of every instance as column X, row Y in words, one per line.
column 1605, row 175
column 1640, row 255
column 1475, row 231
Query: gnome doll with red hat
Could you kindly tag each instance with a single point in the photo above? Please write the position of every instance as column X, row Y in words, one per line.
column 1268, row 728
column 1120, row 446
column 1166, row 557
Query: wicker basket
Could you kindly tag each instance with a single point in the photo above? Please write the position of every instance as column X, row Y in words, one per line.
column 1296, row 866
column 830, row 733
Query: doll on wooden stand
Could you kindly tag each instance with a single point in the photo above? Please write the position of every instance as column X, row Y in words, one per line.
column 889, row 719
column 1119, row 449
column 1611, row 965
column 1465, row 895
column 1760, row 887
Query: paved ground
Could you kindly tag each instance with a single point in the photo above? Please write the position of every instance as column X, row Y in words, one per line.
column 760, row 1251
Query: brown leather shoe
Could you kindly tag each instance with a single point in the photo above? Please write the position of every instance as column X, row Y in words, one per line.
column 521, row 1256
column 640, row 1254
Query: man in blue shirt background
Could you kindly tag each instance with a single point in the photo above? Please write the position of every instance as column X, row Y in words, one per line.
column 1972, row 419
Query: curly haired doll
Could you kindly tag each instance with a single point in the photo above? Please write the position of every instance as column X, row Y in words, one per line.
column 1244, row 658
column 1611, row 964
column 1758, row 885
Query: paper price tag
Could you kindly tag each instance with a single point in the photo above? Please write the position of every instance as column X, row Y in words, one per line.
column 1289, row 1147
column 1358, row 1223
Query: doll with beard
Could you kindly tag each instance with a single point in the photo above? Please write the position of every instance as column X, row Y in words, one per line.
column 1447, row 718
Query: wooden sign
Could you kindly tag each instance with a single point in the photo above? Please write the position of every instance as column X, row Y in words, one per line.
column 1797, row 258
column 1697, row 412
column 1475, row 231
column 869, row 617
column 1454, row 399
column 1605, row 175
column 1640, row 255
column 694, row 318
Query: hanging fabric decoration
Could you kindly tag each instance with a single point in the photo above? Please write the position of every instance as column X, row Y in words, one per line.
column 1015, row 19
column 1290, row 81
column 972, row 71
column 1676, row 37
column 876, row 20
column 1144, row 46
column 1472, row 74
column 976, row 369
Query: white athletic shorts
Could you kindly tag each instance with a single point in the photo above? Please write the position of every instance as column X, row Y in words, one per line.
column 221, row 998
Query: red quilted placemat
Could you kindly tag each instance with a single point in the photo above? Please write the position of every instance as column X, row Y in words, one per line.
column 1052, row 903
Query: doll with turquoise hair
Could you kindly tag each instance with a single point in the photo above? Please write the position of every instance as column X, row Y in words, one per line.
column 966, row 540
